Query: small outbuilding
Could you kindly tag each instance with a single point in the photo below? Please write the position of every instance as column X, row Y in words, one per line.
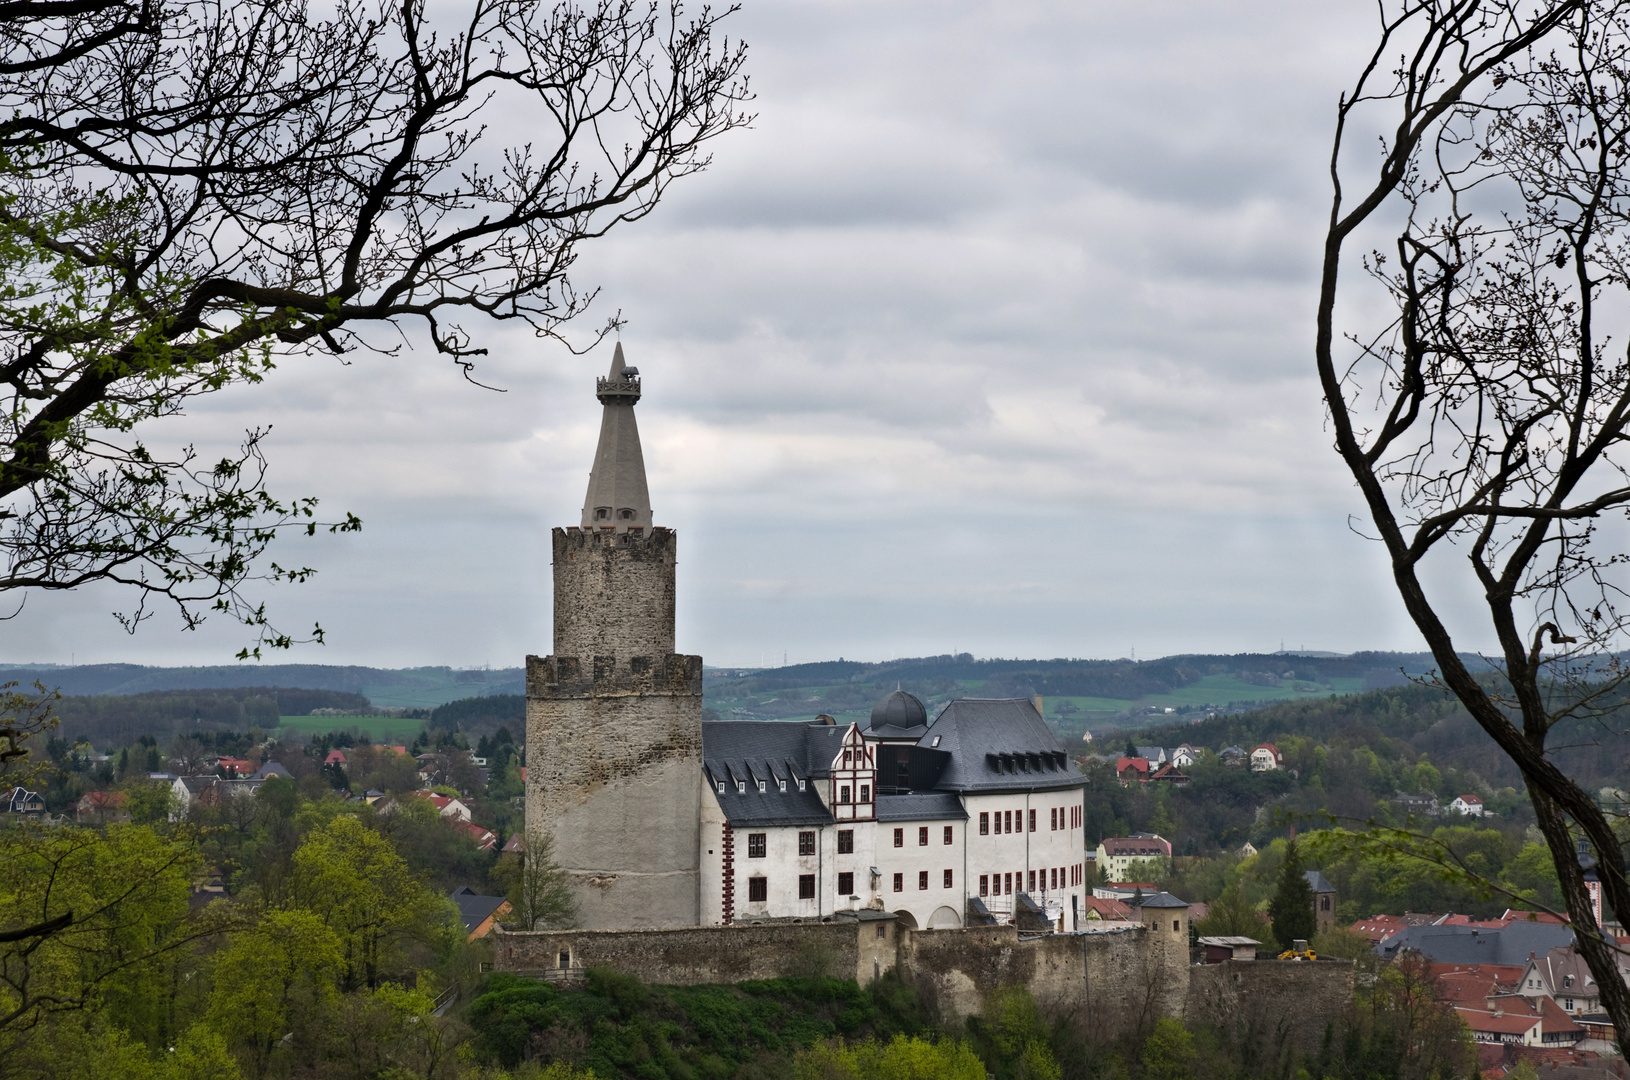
column 1218, row 949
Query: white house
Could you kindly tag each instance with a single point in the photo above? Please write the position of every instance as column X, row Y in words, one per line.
column 1184, row 756
column 1266, row 758
column 1130, row 858
column 1467, row 804
column 801, row 820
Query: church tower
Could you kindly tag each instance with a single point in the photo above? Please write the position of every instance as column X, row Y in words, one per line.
column 614, row 717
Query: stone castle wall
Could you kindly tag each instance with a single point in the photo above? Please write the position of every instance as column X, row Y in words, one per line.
column 699, row 955
column 1117, row 982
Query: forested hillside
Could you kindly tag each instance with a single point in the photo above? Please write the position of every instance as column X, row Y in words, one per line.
column 1421, row 720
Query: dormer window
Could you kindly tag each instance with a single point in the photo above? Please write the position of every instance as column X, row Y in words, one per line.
column 761, row 787
column 721, row 787
column 936, row 741
column 741, row 787
column 626, row 514
column 602, row 513
column 800, row 785
column 783, row 784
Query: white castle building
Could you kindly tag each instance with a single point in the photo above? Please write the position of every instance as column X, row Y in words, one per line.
column 660, row 819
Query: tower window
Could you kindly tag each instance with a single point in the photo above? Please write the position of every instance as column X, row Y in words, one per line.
column 602, row 513
column 626, row 514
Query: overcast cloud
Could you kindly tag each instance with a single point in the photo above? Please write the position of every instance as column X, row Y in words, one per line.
column 994, row 334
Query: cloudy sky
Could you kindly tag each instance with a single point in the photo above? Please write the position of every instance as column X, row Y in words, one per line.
column 992, row 335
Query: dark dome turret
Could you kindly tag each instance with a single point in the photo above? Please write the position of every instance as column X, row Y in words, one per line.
column 899, row 709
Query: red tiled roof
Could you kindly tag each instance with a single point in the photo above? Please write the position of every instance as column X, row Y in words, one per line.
column 1506, row 1023
column 1135, row 764
column 1107, row 909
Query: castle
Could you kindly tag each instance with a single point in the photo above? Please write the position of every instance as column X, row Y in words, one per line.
column 664, row 821
column 950, row 851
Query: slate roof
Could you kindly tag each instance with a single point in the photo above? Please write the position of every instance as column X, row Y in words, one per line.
column 743, row 752
column 921, row 806
column 999, row 744
column 271, row 768
column 1473, row 945
column 474, row 908
column 1163, row 900
column 1318, row 881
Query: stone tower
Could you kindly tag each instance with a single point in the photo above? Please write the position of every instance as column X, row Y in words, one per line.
column 614, row 717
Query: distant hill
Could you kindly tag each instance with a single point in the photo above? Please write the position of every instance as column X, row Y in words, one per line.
column 1427, row 720
column 1097, row 695
column 424, row 687
column 107, row 720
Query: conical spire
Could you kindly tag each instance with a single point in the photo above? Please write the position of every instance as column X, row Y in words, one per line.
column 617, row 496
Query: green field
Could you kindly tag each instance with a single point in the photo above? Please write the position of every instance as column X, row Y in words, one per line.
column 378, row 728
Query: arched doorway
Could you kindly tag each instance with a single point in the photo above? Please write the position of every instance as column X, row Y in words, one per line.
column 944, row 918
column 908, row 921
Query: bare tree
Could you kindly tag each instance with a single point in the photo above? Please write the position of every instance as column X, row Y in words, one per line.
column 541, row 895
column 1487, row 412
column 190, row 189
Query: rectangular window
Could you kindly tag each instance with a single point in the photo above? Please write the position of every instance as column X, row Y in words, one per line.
column 846, row 841
column 922, row 879
column 843, row 794
column 848, row 757
column 1032, row 821
column 899, row 883
column 1007, row 821
column 984, row 885
column 1052, row 820
column 922, row 836
column 899, row 838
column 806, row 886
column 758, row 890
column 1032, row 882
column 984, row 823
column 865, row 793
column 1007, row 884
column 846, row 883
column 755, row 845
column 948, row 834
column 947, row 884
column 1052, row 878
column 806, row 843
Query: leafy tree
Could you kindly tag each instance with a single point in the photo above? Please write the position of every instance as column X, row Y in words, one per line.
column 902, row 1058
column 363, row 891
column 1291, row 908
column 1169, row 1052
column 193, row 190
column 113, row 906
column 1233, row 915
column 288, row 961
